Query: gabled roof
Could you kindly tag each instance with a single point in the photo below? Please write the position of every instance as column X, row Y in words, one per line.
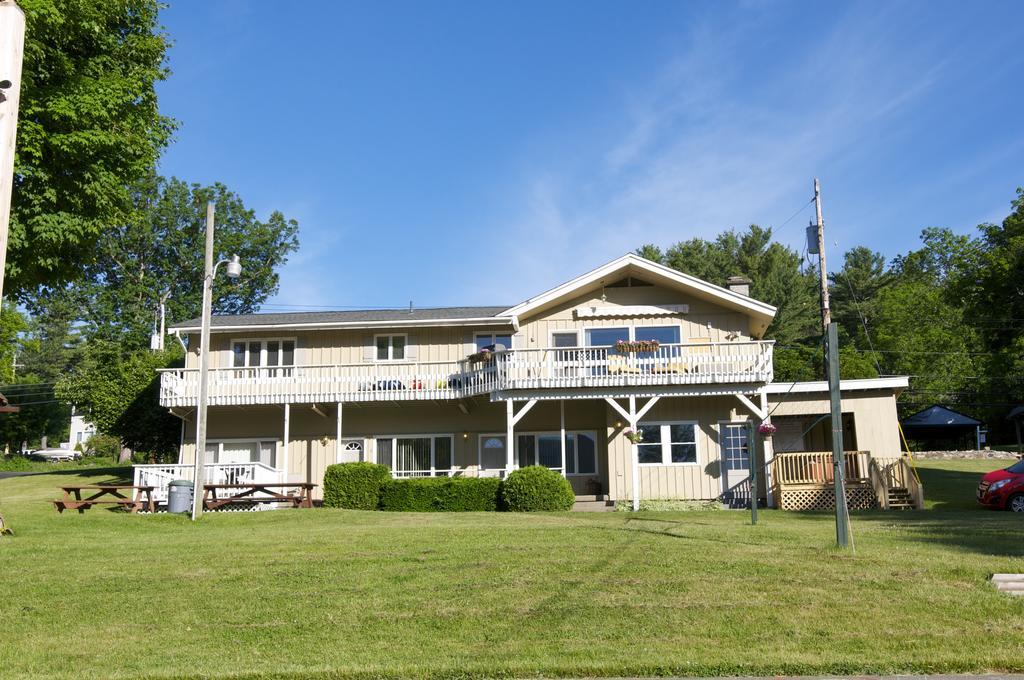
column 392, row 318
column 630, row 264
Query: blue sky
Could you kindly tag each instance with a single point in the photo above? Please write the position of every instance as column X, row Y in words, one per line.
column 478, row 153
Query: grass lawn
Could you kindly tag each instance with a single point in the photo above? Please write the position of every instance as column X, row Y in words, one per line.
column 332, row 593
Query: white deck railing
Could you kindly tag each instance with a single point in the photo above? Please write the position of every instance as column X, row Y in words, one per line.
column 569, row 367
column 160, row 475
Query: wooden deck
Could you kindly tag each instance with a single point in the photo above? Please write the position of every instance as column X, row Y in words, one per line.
column 805, row 481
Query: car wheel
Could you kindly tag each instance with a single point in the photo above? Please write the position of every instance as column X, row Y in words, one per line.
column 1016, row 503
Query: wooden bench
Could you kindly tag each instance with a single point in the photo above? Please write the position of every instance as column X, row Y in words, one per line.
column 300, row 496
column 106, row 494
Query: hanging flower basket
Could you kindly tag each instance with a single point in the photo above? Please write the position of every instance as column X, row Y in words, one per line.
column 634, row 346
column 635, row 436
column 766, row 429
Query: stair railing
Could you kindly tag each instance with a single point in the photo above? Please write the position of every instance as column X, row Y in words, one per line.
column 913, row 483
column 878, row 484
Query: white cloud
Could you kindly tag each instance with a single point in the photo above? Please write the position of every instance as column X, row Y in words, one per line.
column 706, row 149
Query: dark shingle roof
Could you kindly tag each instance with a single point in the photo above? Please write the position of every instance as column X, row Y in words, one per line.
column 348, row 317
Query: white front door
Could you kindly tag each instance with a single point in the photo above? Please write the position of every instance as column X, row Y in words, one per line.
column 735, row 445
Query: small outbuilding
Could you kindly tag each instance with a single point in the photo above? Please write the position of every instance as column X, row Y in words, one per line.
column 944, row 426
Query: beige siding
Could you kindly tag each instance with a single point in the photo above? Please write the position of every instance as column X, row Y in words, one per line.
column 875, row 420
column 702, row 480
column 329, row 347
column 703, row 320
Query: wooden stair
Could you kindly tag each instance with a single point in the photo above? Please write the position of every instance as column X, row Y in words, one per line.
column 593, row 503
column 900, row 498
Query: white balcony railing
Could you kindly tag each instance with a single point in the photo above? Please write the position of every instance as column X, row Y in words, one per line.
column 569, row 367
column 160, row 475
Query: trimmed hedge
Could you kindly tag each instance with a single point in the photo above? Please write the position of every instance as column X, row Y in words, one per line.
column 355, row 486
column 535, row 489
column 441, row 494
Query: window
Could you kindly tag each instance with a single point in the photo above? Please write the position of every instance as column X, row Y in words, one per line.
column 241, row 451
column 564, row 339
column 606, row 337
column 668, row 443
column 390, row 347
column 258, row 353
column 489, row 339
column 736, row 446
column 416, row 455
column 665, row 335
column 544, row 448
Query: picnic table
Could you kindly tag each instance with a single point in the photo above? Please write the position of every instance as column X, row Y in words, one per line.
column 298, row 494
column 106, row 494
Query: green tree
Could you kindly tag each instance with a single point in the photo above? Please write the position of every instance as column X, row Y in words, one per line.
column 89, row 127
column 46, row 347
column 160, row 250
column 118, row 392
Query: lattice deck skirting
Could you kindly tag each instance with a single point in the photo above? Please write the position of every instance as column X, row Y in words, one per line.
column 823, row 497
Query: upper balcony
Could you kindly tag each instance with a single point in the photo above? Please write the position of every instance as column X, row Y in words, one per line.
column 520, row 369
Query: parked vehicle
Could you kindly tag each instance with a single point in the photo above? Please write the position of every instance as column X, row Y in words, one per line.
column 55, row 455
column 1003, row 489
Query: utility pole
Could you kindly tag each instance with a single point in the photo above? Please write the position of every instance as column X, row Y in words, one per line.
column 831, row 332
column 838, row 461
column 204, row 369
column 12, row 48
column 826, row 314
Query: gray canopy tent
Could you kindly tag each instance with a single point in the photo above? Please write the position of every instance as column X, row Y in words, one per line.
column 938, row 423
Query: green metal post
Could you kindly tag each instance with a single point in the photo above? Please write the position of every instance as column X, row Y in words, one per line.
column 753, row 482
column 839, row 465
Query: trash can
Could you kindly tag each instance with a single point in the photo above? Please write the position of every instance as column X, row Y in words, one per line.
column 179, row 495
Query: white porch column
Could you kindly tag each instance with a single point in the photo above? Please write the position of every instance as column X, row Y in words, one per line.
column 510, row 425
column 561, row 416
column 337, row 436
column 635, row 455
column 768, row 449
column 287, row 438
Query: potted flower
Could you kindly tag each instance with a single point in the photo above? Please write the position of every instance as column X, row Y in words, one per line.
column 766, row 429
column 635, row 436
column 634, row 346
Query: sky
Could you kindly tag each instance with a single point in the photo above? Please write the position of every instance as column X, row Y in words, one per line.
column 463, row 153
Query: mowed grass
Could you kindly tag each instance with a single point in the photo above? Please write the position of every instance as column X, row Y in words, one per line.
column 332, row 593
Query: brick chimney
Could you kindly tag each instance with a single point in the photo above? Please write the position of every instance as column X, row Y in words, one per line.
column 738, row 284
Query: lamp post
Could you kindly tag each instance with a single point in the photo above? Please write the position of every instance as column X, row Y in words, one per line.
column 234, row 270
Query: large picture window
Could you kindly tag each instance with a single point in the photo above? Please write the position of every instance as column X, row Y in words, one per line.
column 544, row 448
column 668, row 443
column 417, row 455
column 492, row 339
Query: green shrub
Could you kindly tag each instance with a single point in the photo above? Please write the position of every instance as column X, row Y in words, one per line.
column 355, row 486
column 441, row 494
column 103, row 446
column 535, row 489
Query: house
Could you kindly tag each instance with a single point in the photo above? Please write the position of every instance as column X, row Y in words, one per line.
column 556, row 380
column 79, row 431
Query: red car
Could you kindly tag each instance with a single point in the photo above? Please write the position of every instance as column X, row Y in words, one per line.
column 1003, row 489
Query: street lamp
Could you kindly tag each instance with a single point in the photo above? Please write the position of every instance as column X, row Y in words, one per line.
column 233, row 271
